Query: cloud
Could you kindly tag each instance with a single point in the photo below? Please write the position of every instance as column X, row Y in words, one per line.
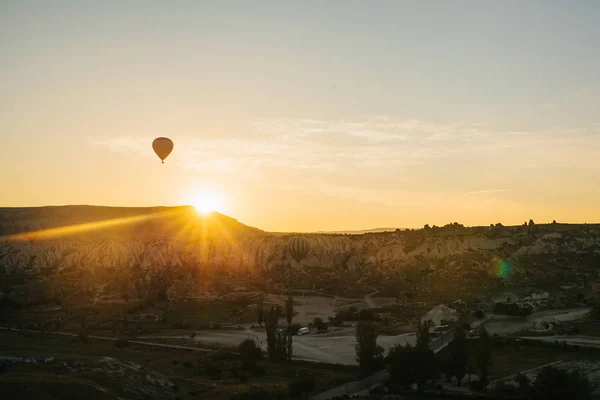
column 373, row 156
column 489, row 191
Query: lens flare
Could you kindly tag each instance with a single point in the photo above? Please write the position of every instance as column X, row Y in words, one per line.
column 500, row 267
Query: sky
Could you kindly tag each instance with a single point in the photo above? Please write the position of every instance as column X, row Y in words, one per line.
column 306, row 115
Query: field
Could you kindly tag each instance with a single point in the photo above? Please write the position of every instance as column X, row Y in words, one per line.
column 98, row 370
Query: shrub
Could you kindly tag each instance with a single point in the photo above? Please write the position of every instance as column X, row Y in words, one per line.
column 553, row 383
column 249, row 351
column 366, row 314
column 523, row 381
column 241, row 374
column 302, row 386
column 319, row 324
column 294, row 328
column 477, row 385
column 212, row 370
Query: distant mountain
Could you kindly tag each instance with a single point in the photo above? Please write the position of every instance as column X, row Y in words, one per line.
column 97, row 222
column 439, row 262
column 360, row 232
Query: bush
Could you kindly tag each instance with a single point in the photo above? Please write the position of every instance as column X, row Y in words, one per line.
column 250, row 353
column 505, row 388
column 366, row 314
column 477, row 385
column 121, row 343
column 302, row 386
column 242, row 374
column 319, row 324
column 212, row 370
column 294, row 328
column 553, row 383
column 523, row 381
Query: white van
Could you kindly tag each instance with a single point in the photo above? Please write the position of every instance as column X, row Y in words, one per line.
column 303, row 331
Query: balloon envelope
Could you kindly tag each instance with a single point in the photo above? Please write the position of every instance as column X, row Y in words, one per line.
column 162, row 147
column 298, row 247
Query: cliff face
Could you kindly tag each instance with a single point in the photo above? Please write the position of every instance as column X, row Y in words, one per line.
column 185, row 240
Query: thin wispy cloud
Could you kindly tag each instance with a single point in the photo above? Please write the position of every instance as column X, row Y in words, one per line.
column 489, row 191
column 368, row 157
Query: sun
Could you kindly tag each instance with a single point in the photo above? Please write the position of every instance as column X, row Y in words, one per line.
column 207, row 201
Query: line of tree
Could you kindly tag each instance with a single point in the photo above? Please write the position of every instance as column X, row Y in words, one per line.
column 419, row 364
column 409, row 364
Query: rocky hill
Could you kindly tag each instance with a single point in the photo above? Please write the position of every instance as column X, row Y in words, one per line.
column 51, row 241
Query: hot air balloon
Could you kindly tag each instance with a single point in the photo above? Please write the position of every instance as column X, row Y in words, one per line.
column 162, row 147
column 298, row 247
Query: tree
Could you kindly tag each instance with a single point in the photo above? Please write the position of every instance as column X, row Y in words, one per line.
column 279, row 342
column 459, row 355
column 484, row 355
column 423, row 336
column 401, row 365
column 284, row 346
column 531, row 226
column 260, row 314
column 271, row 326
column 368, row 354
column 289, row 309
column 250, row 353
column 408, row 364
column 553, row 384
column 319, row 324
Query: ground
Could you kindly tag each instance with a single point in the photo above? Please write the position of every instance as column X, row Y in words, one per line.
column 98, row 370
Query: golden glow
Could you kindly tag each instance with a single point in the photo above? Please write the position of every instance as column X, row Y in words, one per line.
column 207, row 201
column 81, row 228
